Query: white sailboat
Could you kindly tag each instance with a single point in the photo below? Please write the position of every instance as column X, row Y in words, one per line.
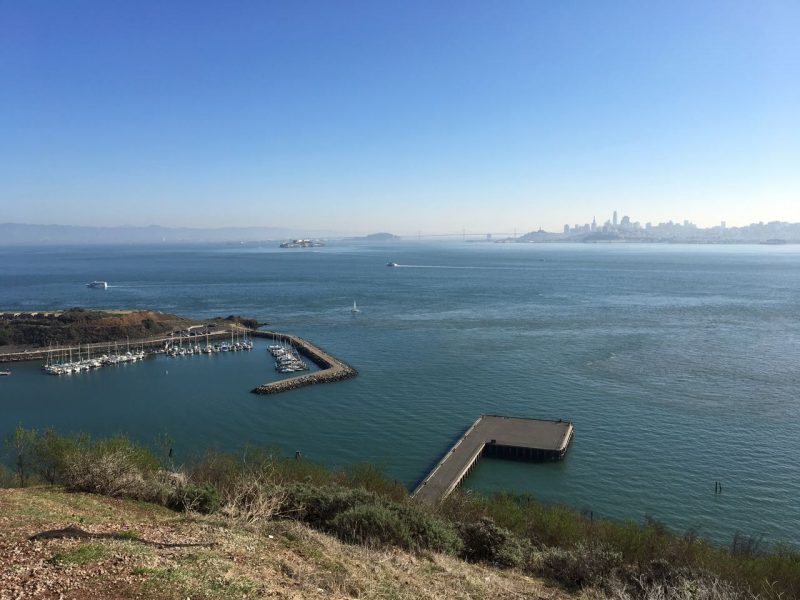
column 354, row 310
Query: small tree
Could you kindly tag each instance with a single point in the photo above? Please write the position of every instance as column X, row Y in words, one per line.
column 21, row 444
column 50, row 453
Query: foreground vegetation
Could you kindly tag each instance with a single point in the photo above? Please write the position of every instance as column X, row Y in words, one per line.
column 258, row 488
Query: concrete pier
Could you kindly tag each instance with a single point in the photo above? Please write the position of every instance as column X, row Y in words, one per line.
column 331, row 368
column 499, row 437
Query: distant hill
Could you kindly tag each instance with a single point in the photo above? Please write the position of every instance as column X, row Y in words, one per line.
column 378, row 237
column 18, row 234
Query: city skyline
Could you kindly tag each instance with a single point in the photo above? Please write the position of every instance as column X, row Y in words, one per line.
column 621, row 227
column 359, row 117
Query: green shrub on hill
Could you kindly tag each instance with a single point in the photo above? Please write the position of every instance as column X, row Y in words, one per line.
column 636, row 561
column 371, row 525
column 319, row 505
column 194, row 498
column 484, row 541
column 577, row 567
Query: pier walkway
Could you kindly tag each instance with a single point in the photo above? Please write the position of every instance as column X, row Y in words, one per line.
column 496, row 436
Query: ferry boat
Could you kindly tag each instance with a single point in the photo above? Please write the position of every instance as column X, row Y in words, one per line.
column 99, row 285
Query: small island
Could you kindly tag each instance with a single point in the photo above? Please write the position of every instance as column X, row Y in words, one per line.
column 376, row 237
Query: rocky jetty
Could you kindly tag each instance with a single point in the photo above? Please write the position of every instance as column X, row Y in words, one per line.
column 331, row 368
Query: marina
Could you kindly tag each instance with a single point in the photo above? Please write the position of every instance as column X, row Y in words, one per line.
column 287, row 360
column 331, row 369
column 60, row 360
column 496, row 436
column 239, row 342
column 287, row 350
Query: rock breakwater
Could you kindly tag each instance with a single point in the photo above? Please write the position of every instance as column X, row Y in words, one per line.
column 331, row 368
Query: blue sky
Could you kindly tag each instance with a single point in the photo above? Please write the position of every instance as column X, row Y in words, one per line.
column 407, row 116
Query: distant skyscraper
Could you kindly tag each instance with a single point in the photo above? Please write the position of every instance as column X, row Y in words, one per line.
column 594, row 223
column 614, row 220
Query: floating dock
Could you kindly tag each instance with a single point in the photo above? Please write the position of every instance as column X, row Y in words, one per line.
column 496, row 436
column 331, row 368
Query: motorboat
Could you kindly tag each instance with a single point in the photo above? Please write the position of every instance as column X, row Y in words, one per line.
column 392, row 264
column 98, row 285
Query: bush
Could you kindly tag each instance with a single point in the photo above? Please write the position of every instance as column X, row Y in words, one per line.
column 191, row 497
column 109, row 474
column 50, row 453
column 427, row 531
column 20, row 445
column 577, row 567
column 252, row 497
column 318, row 506
column 485, row 541
column 215, row 468
column 685, row 588
column 371, row 525
column 372, row 479
column 114, row 467
column 6, row 477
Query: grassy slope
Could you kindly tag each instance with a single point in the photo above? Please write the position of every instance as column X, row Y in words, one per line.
column 282, row 560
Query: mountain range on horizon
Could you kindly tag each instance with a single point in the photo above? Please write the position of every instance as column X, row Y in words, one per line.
column 17, row 234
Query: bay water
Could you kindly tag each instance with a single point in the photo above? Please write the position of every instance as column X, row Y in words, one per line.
column 678, row 365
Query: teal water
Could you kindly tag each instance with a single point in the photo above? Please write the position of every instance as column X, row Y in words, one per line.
column 679, row 365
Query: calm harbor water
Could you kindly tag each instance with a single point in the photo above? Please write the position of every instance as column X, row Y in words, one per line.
column 679, row 365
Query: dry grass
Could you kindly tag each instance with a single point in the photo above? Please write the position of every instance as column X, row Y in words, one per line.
column 698, row 588
column 252, row 498
column 265, row 559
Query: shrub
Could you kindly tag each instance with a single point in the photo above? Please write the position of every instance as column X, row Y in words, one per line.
column 580, row 566
column 139, row 456
column 252, row 497
column 191, row 497
column 317, row 506
column 428, row 531
column 20, row 444
column 215, row 468
column 371, row 525
column 6, row 477
column 485, row 541
column 372, row 478
column 685, row 588
column 50, row 453
column 109, row 474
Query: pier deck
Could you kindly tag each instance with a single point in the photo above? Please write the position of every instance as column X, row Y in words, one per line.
column 493, row 435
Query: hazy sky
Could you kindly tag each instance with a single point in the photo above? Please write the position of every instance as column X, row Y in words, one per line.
column 403, row 116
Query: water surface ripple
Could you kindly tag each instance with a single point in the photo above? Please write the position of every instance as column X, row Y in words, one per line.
column 679, row 365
